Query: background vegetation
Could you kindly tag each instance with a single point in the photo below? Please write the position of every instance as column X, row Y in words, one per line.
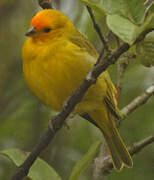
column 23, row 118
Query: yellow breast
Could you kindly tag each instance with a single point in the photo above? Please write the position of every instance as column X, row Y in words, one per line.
column 54, row 72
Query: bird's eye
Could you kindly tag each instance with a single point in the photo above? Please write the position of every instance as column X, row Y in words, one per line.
column 47, row 30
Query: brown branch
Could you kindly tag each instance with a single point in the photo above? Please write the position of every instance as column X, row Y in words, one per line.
column 58, row 121
column 138, row 101
column 98, row 30
column 45, row 4
column 103, row 158
column 122, row 65
column 148, row 3
column 121, row 68
column 106, row 163
column 103, row 164
column 100, row 56
column 137, row 147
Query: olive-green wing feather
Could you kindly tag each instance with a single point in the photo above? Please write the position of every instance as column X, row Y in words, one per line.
column 110, row 98
column 84, row 44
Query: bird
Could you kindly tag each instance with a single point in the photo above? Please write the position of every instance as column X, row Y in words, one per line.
column 56, row 59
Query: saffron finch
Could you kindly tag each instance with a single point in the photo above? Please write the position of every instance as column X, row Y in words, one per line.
column 56, row 58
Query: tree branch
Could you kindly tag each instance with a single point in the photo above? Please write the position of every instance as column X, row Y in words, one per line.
column 98, row 30
column 103, row 164
column 122, row 65
column 45, row 4
column 138, row 101
column 148, row 3
column 106, row 163
column 137, row 147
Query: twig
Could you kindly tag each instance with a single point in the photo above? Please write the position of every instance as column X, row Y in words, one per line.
column 149, row 3
column 103, row 165
column 100, row 56
column 122, row 65
column 109, row 37
column 106, row 164
column 137, row 147
column 98, row 30
column 98, row 162
column 58, row 121
column 138, row 101
column 45, row 4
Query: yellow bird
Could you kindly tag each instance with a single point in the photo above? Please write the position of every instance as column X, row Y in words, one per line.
column 56, row 58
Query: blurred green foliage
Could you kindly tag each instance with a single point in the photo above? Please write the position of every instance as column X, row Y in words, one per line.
column 40, row 169
column 23, row 118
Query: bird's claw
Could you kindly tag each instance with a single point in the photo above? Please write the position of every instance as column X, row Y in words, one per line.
column 66, row 125
column 50, row 125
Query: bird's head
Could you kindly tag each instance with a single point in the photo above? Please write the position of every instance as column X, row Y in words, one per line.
column 48, row 24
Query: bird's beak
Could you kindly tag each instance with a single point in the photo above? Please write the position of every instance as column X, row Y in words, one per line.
column 32, row 31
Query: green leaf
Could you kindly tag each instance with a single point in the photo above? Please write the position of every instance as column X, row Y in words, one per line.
column 95, row 5
column 122, row 27
column 40, row 169
column 145, row 50
column 134, row 10
column 83, row 163
column 124, row 17
column 125, row 29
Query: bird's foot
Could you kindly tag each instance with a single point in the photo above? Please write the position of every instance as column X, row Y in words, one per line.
column 65, row 102
column 51, row 124
column 72, row 114
column 66, row 125
column 52, row 127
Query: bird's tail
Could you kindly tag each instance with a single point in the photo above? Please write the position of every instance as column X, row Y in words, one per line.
column 119, row 153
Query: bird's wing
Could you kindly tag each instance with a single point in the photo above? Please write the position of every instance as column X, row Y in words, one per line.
column 84, row 45
column 110, row 98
